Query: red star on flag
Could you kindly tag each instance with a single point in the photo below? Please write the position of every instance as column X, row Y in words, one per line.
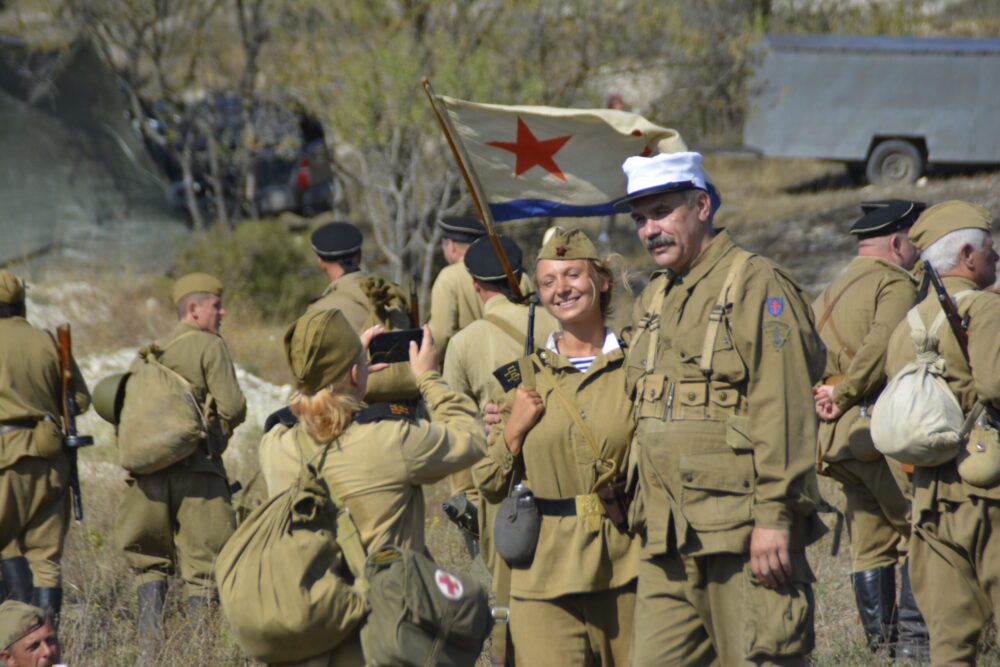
column 531, row 152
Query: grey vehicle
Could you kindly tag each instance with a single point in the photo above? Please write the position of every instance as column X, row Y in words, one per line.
column 885, row 106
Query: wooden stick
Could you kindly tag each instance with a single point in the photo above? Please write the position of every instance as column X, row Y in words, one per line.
column 472, row 183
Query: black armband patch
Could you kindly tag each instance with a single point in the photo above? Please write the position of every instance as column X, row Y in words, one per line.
column 283, row 416
column 508, row 375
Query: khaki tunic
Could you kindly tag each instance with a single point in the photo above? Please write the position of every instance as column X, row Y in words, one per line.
column 34, row 504
column 184, row 513
column 377, row 469
column 954, row 552
column 578, row 558
column 716, row 457
column 455, row 304
column 350, row 294
column 477, row 351
column 874, row 297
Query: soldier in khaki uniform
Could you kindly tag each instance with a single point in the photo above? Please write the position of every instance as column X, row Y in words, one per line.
column 855, row 316
column 454, row 302
column 34, row 470
column 27, row 636
column 365, row 300
column 183, row 514
column 720, row 366
column 375, row 461
column 566, row 434
column 955, row 551
column 485, row 345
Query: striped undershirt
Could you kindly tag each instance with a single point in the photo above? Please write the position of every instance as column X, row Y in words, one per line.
column 582, row 364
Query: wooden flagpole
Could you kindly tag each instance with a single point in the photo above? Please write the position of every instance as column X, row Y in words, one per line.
column 472, row 183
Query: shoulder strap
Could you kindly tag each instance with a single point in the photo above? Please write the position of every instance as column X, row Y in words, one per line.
column 348, row 536
column 506, row 327
column 655, row 315
column 171, row 343
column 574, row 412
column 831, row 303
column 719, row 311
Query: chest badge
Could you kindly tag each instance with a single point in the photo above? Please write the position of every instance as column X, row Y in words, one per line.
column 775, row 305
column 776, row 333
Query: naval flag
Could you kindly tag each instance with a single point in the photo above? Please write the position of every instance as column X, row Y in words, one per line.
column 547, row 161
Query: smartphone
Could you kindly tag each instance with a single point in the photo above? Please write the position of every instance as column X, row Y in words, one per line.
column 393, row 346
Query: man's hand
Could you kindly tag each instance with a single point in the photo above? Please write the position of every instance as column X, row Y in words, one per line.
column 825, row 407
column 769, row 559
column 424, row 358
column 491, row 416
column 527, row 409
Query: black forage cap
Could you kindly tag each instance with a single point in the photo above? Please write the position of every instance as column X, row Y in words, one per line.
column 482, row 262
column 884, row 217
column 337, row 240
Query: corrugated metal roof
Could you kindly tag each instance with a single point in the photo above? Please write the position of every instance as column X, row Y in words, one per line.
column 868, row 43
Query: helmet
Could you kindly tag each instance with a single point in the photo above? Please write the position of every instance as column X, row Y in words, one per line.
column 108, row 396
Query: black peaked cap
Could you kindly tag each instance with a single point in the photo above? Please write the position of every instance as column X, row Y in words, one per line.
column 482, row 262
column 336, row 240
column 461, row 228
column 886, row 216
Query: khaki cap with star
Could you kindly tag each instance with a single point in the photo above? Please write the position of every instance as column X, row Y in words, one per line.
column 568, row 244
column 320, row 347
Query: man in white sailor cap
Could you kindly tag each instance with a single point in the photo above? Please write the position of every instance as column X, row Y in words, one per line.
column 722, row 357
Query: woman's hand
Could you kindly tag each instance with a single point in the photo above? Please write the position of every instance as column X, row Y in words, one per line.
column 366, row 339
column 528, row 408
column 424, row 358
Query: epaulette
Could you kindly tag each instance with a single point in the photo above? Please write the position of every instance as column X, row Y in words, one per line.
column 283, row 416
column 383, row 410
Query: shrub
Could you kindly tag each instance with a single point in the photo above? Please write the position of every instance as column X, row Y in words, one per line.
column 260, row 263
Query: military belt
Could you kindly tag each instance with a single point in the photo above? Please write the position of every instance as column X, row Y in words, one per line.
column 20, row 425
column 586, row 505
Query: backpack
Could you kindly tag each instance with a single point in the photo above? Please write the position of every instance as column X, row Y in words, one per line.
column 917, row 419
column 161, row 420
column 285, row 579
column 294, row 583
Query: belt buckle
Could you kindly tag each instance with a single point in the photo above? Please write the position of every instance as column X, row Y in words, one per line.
column 589, row 505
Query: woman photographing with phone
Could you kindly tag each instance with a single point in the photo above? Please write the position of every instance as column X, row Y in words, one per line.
column 568, row 429
column 375, row 462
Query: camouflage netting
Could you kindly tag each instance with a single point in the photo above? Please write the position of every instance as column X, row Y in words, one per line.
column 76, row 182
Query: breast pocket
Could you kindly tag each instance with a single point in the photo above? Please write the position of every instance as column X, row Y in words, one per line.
column 651, row 397
column 716, row 489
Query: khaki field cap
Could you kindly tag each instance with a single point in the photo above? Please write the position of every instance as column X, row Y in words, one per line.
column 195, row 283
column 17, row 620
column 320, row 346
column 568, row 244
column 947, row 217
column 11, row 288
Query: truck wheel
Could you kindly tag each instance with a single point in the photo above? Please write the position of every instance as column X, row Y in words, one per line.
column 893, row 162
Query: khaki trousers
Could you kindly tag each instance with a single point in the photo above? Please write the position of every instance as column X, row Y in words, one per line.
column 175, row 514
column 710, row 610
column 877, row 511
column 955, row 574
column 34, row 515
column 577, row 629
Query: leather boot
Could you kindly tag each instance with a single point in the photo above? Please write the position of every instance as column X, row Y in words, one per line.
column 150, row 597
column 914, row 640
column 17, row 574
column 875, row 595
column 49, row 599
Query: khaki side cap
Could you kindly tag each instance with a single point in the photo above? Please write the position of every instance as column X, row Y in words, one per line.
column 947, row 217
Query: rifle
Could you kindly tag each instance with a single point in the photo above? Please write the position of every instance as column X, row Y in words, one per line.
column 955, row 320
column 71, row 439
column 414, row 307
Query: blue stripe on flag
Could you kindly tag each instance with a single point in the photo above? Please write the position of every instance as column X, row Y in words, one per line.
column 531, row 208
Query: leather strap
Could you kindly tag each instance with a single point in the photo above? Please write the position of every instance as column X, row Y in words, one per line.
column 506, row 327
column 21, row 425
column 830, row 304
column 574, row 412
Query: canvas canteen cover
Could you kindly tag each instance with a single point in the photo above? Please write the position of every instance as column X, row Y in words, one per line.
column 161, row 421
column 917, row 419
column 422, row 614
column 284, row 578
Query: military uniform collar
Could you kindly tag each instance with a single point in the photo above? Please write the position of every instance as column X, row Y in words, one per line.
column 717, row 248
column 343, row 281
column 886, row 263
column 496, row 304
column 611, row 352
column 955, row 284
